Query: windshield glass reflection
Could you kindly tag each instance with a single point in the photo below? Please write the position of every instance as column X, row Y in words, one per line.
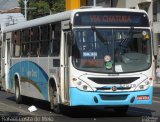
column 111, row 50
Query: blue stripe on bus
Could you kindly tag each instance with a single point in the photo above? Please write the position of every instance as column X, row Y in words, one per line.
column 78, row 97
column 32, row 73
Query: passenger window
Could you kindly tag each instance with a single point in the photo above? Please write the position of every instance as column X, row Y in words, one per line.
column 45, row 33
column 25, row 50
column 25, row 43
column 34, row 49
column 44, row 48
column 55, row 40
column 16, row 44
column 34, row 33
column 26, row 37
column 44, row 42
column 34, row 43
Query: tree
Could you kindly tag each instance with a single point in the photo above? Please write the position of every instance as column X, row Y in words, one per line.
column 21, row 4
column 56, row 5
column 38, row 8
column 50, row 3
column 42, row 8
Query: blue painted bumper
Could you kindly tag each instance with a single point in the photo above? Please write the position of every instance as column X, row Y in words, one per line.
column 78, row 97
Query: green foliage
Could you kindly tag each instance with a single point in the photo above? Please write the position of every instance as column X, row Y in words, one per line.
column 38, row 8
column 21, row 4
column 58, row 6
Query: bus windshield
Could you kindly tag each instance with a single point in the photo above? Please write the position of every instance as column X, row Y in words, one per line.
column 111, row 50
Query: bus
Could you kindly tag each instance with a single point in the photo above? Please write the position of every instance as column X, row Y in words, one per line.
column 83, row 57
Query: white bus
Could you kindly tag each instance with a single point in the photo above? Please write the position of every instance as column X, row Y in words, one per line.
column 83, row 57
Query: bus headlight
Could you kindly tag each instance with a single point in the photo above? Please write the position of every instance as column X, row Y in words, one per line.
column 143, row 86
column 81, row 85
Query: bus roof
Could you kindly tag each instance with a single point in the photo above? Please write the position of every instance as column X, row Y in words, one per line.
column 39, row 21
column 98, row 8
column 62, row 16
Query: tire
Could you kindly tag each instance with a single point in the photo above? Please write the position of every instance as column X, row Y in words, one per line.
column 54, row 105
column 18, row 94
column 121, row 110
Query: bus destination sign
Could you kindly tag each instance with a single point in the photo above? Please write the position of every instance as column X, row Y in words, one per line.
column 111, row 19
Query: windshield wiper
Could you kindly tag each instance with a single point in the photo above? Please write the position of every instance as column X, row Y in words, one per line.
column 99, row 34
column 102, row 39
column 128, row 34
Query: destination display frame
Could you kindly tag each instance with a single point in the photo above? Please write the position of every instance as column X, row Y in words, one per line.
column 111, row 18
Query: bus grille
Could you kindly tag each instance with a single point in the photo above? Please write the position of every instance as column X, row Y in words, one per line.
column 113, row 80
column 114, row 97
column 109, row 88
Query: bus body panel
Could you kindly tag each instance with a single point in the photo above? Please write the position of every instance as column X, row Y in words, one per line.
column 122, row 98
column 33, row 79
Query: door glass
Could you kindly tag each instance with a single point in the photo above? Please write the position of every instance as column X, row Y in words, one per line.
column 66, row 69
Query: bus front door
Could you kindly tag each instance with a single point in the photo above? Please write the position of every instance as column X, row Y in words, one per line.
column 65, row 67
column 7, row 63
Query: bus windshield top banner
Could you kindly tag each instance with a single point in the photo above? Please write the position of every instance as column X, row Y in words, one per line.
column 111, row 19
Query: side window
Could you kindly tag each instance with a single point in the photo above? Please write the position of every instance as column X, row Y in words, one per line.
column 25, row 43
column 55, row 40
column 34, row 49
column 34, row 38
column 44, row 42
column 26, row 36
column 16, row 40
column 25, row 49
column 34, row 34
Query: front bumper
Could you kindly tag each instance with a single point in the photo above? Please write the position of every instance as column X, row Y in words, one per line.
column 78, row 97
